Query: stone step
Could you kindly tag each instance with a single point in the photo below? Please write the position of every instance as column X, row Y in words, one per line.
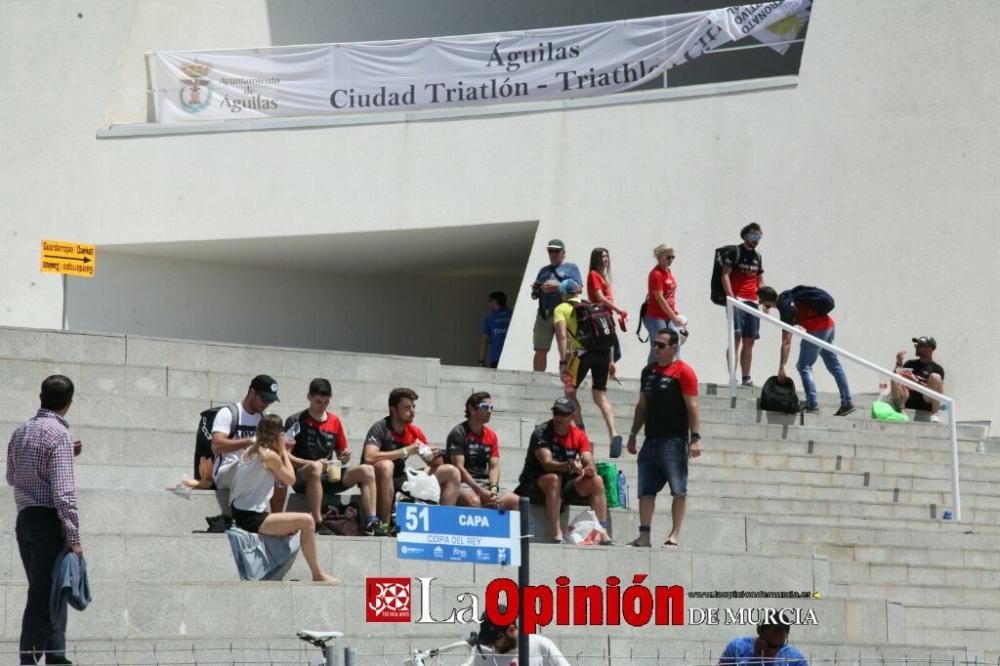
column 208, row 557
column 581, row 650
column 142, row 446
column 206, row 607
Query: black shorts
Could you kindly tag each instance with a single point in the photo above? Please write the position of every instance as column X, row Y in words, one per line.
column 248, row 520
column 569, row 494
column 329, row 488
column 596, row 363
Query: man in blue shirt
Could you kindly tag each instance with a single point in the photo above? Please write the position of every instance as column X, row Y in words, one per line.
column 545, row 290
column 494, row 329
column 770, row 646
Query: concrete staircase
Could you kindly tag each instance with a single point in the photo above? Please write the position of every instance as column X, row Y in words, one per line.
column 847, row 507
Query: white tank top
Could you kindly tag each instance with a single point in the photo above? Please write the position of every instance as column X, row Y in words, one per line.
column 252, row 486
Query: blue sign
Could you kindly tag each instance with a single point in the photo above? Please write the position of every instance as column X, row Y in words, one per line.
column 458, row 534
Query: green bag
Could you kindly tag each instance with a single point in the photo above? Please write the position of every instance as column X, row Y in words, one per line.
column 609, row 472
column 883, row 411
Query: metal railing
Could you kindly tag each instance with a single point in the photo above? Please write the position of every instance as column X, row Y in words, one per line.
column 732, row 303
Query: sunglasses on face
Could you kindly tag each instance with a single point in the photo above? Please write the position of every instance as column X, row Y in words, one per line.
column 552, row 251
column 485, row 407
column 671, row 257
column 754, row 237
column 662, row 345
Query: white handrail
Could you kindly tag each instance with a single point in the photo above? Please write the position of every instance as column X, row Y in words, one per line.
column 899, row 379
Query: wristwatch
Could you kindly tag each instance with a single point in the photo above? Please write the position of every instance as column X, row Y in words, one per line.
column 695, row 436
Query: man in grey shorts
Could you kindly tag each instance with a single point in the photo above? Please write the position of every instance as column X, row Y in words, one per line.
column 545, row 290
column 668, row 406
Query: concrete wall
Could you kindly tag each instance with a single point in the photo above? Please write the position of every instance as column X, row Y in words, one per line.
column 875, row 177
column 412, row 314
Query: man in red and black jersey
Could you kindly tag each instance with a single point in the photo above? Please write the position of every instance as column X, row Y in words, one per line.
column 473, row 448
column 668, row 408
column 319, row 436
column 742, row 275
column 559, row 467
column 389, row 442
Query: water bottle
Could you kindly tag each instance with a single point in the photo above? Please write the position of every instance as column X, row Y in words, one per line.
column 622, row 490
column 292, row 432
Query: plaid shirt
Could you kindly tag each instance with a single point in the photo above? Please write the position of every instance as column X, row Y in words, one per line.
column 40, row 469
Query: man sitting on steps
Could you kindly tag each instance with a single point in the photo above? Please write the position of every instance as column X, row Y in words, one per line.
column 559, row 468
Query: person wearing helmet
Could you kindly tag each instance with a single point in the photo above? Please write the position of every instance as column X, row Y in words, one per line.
column 498, row 645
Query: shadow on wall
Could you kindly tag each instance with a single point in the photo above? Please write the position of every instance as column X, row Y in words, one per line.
column 421, row 305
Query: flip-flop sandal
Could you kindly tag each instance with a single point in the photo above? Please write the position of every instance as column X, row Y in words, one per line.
column 616, row 446
column 635, row 544
column 671, row 545
column 558, row 540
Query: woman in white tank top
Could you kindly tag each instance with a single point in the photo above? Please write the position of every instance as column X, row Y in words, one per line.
column 259, row 467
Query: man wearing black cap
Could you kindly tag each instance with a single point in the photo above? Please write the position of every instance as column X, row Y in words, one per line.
column 502, row 641
column 559, row 467
column 229, row 439
column 922, row 370
column 770, row 644
column 545, row 290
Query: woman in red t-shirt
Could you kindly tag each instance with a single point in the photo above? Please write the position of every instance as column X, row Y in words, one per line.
column 661, row 304
column 599, row 287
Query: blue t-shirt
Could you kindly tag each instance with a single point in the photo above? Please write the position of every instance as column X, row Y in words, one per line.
column 740, row 652
column 564, row 271
column 495, row 327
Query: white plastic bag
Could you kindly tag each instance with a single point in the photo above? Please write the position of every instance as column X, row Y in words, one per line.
column 585, row 529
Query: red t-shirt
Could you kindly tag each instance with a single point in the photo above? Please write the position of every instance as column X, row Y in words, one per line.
column 810, row 320
column 596, row 281
column 747, row 267
column 662, row 281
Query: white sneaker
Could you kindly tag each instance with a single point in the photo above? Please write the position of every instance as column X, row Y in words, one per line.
column 935, row 418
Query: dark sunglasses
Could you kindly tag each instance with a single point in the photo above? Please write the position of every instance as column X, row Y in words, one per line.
column 662, row 345
column 671, row 256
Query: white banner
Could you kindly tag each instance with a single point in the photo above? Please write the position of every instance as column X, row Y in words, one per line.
column 554, row 63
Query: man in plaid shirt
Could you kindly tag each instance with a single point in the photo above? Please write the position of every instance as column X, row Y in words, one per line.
column 40, row 470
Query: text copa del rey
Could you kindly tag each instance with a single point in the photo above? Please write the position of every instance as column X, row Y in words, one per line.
column 595, row 605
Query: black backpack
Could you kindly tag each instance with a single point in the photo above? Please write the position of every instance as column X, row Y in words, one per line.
column 595, row 326
column 817, row 299
column 642, row 320
column 722, row 254
column 776, row 396
column 203, row 436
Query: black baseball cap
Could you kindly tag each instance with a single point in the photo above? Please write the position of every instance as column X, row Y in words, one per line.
column 926, row 340
column 265, row 387
column 490, row 632
column 563, row 406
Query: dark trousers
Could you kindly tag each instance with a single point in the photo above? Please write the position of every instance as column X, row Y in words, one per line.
column 40, row 540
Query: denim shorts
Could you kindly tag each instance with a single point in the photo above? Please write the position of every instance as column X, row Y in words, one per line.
column 745, row 324
column 662, row 461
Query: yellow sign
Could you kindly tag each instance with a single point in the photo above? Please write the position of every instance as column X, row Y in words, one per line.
column 77, row 259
